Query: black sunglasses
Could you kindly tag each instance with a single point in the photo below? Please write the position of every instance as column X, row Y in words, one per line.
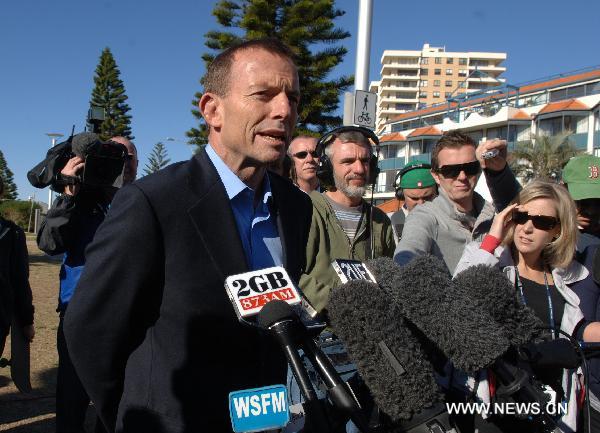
column 540, row 222
column 303, row 154
column 453, row 170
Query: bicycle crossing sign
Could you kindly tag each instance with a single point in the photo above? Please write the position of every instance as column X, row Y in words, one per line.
column 365, row 108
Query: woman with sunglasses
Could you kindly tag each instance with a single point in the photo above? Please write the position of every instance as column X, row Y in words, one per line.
column 533, row 242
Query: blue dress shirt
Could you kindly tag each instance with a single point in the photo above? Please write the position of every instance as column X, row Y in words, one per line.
column 256, row 226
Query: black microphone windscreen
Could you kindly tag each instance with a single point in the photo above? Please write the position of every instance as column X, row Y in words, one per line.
column 558, row 353
column 388, row 356
column 495, row 294
column 273, row 312
column 427, row 297
column 82, row 142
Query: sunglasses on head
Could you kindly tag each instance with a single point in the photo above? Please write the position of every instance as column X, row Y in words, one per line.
column 303, row 154
column 453, row 170
column 540, row 222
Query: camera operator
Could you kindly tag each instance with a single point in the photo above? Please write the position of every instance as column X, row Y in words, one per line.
column 69, row 227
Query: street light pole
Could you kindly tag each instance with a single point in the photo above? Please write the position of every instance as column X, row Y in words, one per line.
column 53, row 136
column 32, row 200
column 363, row 45
column 363, row 57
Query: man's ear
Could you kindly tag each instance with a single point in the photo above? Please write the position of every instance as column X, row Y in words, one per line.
column 210, row 107
column 436, row 177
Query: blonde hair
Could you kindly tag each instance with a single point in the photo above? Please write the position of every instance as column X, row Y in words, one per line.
column 560, row 252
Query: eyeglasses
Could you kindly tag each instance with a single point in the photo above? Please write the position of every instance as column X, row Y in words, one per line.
column 540, row 222
column 453, row 170
column 303, row 154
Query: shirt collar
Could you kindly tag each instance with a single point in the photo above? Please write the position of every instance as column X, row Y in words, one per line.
column 233, row 184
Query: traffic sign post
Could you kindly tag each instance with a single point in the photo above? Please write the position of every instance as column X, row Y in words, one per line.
column 365, row 108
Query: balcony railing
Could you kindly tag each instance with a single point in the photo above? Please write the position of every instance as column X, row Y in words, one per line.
column 421, row 157
column 580, row 140
column 391, row 164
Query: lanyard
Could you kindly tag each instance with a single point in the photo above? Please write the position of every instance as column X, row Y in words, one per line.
column 550, row 307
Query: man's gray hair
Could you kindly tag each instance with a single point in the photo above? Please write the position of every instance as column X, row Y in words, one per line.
column 348, row 137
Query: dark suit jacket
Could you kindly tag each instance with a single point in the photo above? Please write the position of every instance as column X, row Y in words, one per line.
column 150, row 329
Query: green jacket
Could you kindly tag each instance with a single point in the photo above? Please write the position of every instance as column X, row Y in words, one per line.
column 327, row 242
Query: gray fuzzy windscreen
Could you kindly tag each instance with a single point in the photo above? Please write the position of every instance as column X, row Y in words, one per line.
column 425, row 294
column 495, row 294
column 363, row 316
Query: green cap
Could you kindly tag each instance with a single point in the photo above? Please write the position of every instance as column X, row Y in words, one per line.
column 415, row 174
column 582, row 176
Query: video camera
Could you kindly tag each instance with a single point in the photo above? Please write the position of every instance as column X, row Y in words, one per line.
column 104, row 163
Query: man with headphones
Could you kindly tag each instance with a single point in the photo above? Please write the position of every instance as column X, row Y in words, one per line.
column 414, row 185
column 344, row 226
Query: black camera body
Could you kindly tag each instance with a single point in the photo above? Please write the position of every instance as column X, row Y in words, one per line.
column 104, row 163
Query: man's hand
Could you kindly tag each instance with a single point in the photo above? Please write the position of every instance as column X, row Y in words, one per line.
column 496, row 163
column 29, row 332
column 71, row 168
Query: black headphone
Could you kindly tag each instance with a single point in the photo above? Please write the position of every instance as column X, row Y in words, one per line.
column 397, row 180
column 325, row 167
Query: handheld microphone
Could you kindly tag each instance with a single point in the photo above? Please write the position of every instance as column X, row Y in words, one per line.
column 590, row 350
column 558, row 353
column 283, row 323
column 278, row 318
column 426, row 296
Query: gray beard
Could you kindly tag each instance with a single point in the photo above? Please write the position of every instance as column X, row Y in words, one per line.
column 349, row 190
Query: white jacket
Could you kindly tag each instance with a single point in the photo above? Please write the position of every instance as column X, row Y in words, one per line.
column 572, row 315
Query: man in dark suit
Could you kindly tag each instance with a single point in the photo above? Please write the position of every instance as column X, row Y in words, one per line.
column 151, row 331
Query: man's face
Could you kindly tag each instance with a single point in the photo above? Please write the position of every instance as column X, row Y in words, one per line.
column 131, row 164
column 459, row 188
column 588, row 215
column 415, row 196
column 350, row 163
column 304, row 157
column 256, row 118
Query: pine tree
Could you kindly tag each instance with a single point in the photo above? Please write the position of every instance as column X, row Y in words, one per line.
column 307, row 27
column 543, row 157
column 10, row 189
column 109, row 94
column 158, row 159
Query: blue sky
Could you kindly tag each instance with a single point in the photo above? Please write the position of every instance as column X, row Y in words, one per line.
column 49, row 51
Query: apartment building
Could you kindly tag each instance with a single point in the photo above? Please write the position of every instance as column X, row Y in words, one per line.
column 411, row 80
column 565, row 102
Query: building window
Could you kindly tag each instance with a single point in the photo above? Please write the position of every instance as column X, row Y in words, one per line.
column 436, row 83
column 424, row 61
column 437, row 72
column 462, row 72
column 424, row 71
column 462, row 61
column 436, row 94
column 422, row 94
column 423, row 83
column 462, row 85
column 448, row 83
column 438, row 60
column 449, row 60
column 447, row 95
column 448, row 71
